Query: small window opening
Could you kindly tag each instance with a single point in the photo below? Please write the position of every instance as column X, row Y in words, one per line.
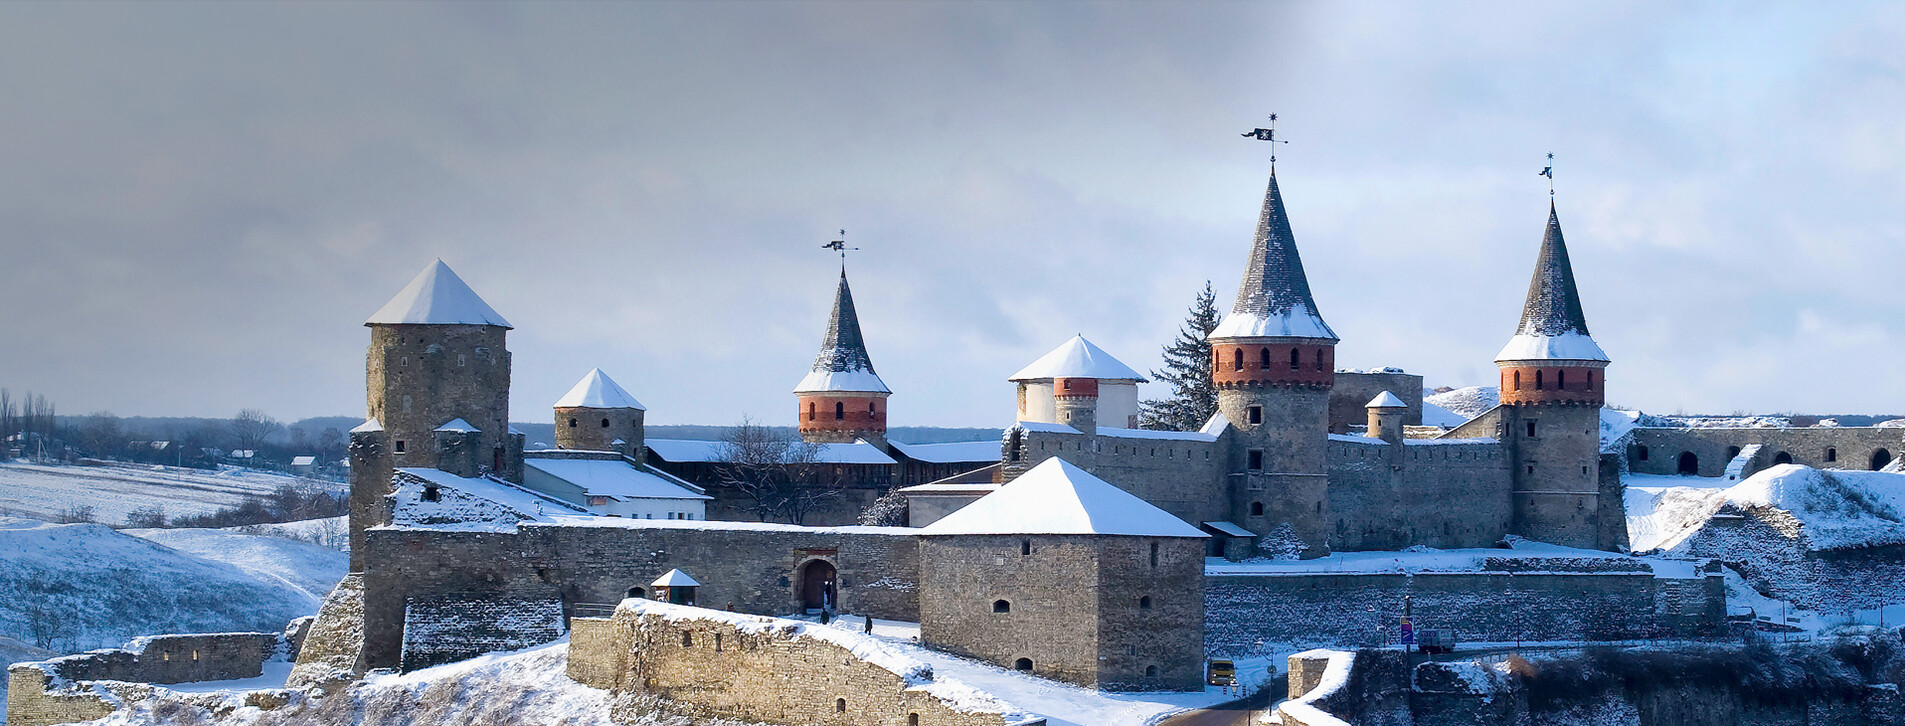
column 1590, row 385
column 1154, row 554
column 1832, row 454
column 1537, row 380
column 399, row 446
column 194, row 654
column 840, row 704
column 572, row 423
column 1560, row 380
column 717, row 642
column 1264, row 358
column 1517, row 380
column 1531, row 428
column 1144, row 603
column 430, row 493
column 605, row 423
column 1296, row 361
column 1022, row 664
column 1531, row 468
column 1319, row 359
column 1255, row 414
column 687, row 639
column 1641, row 453
column 839, row 410
column 810, row 411
column 1256, row 509
column 1025, row 547
column 1254, row 460
column 166, row 655
column 871, row 409
column 912, row 719
column 1001, row 606
column 459, row 360
column 1237, row 358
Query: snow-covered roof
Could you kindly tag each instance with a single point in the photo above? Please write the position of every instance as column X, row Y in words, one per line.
column 951, row 453
column 597, row 390
column 1077, row 358
column 1274, row 300
column 1056, row 497
column 674, row 578
column 1045, row 428
column 1563, row 346
column 612, row 478
column 1155, row 434
column 1553, row 326
column 841, row 381
column 303, row 460
column 1385, row 400
column 683, row 451
column 952, row 488
column 370, row 425
column 458, row 425
column 437, row 296
column 1216, row 426
column 1230, row 529
column 481, row 504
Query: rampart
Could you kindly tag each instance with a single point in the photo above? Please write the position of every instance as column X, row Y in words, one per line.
column 716, row 664
column 90, row 685
column 1180, row 473
column 1378, row 491
column 1353, row 391
column 1666, row 450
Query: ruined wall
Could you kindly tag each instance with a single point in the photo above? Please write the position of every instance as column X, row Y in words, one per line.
column 45, row 692
column 712, row 664
column 753, row 568
column 1352, row 391
column 1767, row 550
column 1715, row 448
column 1378, row 493
column 1363, row 609
column 333, row 648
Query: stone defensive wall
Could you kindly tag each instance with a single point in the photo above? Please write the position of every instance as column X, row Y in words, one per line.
column 1172, row 470
column 1762, row 548
column 742, row 566
column 1378, row 491
column 1363, row 609
column 710, row 663
column 91, row 685
column 1665, row 450
column 1353, row 391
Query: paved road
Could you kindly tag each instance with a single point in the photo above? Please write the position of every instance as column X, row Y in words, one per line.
column 1235, row 713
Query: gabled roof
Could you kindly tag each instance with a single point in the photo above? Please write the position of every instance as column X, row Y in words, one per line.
column 437, row 296
column 1385, row 400
column 674, row 578
column 843, row 363
column 370, row 425
column 1274, row 300
column 612, row 478
column 459, row 426
column 1058, row 498
column 597, row 390
column 1553, row 327
column 1077, row 358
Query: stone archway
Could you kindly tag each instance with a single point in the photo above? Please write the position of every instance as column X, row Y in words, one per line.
column 1782, row 458
column 818, row 587
column 1689, row 464
column 1880, row 458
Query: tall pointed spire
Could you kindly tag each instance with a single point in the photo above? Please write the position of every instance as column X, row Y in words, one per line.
column 1553, row 327
column 1274, row 300
column 843, row 363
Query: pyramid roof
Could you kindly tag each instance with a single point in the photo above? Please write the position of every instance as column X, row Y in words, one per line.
column 597, row 390
column 437, row 296
column 1385, row 400
column 843, row 363
column 1056, row 497
column 674, row 578
column 1077, row 358
column 1274, row 300
column 1553, row 327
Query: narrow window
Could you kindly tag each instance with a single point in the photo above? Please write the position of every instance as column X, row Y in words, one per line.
column 1001, row 606
column 1590, row 380
column 1265, row 358
column 1295, row 359
column 605, row 423
column 1067, row 384
column 687, row 639
column 1537, row 380
column 912, row 719
column 840, row 704
column 871, row 409
column 1319, row 359
column 571, row 423
column 1256, row 509
column 399, row 446
column 810, row 410
column 1022, row 664
column 717, row 642
column 1642, row 452
column 194, row 654
column 1531, row 428
column 1025, row 547
column 1560, row 380
column 430, row 493
column 459, row 360
column 1154, row 554
column 1144, row 603
column 1237, row 358
column 1517, row 380
column 1254, row 462
column 1832, row 454
column 1150, row 671
column 1255, row 414
column 839, row 410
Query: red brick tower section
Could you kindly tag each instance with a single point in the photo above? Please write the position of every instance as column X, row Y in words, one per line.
column 1553, row 384
column 1274, row 362
column 841, row 399
column 1075, row 400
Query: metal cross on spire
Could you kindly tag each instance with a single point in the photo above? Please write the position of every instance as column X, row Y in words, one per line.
column 1548, row 171
column 1270, row 135
column 840, row 245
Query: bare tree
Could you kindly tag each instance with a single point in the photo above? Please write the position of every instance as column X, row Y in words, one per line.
column 779, row 474
column 151, row 517
column 252, row 427
column 101, row 434
column 75, row 514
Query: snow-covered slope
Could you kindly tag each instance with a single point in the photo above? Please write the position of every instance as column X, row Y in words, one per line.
column 1465, row 402
column 1833, row 509
column 42, row 492
column 86, row 586
column 308, row 568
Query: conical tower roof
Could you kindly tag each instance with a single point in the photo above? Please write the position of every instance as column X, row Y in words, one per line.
column 1552, row 324
column 437, row 296
column 597, row 390
column 843, row 364
column 1274, row 301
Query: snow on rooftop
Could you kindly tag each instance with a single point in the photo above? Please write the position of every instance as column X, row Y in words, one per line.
column 1300, row 322
column 1230, row 529
column 1156, row 435
column 597, row 390
column 1216, row 425
column 1562, row 346
column 977, row 452
column 469, row 504
column 1467, row 402
column 1044, row 428
column 1526, row 556
column 370, row 425
column 841, row 381
column 1056, row 497
column 458, row 425
column 674, row 578
column 1385, row 400
column 681, row 451
column 612, row 478
column 437, row 296
column 1077, row 358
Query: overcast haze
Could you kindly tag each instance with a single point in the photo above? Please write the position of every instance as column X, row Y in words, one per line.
column 200, row 204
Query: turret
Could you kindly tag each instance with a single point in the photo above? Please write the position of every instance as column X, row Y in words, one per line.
column 1386, row 412
column 1079, row 385
column 437, row 358
column 842, row 399
column 1273, row 362
column 1552, row 389
column 598, row 415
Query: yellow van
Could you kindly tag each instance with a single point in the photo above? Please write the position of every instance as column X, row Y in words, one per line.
column 1221, row 673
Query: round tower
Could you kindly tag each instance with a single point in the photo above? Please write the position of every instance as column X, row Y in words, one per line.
column 598, row 415
column 1386, row 413
column 841, row 399
column 1075, row 400
column 1273, row 363
column 1079, row 385
column 1553, row 384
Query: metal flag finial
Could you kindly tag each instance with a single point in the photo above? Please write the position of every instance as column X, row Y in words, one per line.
column 840, row 245
column 1548, row 171
column 1270, row 135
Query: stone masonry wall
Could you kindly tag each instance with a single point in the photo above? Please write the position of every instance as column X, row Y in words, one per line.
column 1378, row 492
column 333, row 648
column 1184, row 477
column 52, row 691
column 1854, row 447
column 1353, row 391
column 712, row 664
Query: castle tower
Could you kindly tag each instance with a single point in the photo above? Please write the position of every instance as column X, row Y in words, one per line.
column 437, row 390
column 597, row 415
column 842, row 399
column 1274, row 363
column 1552, row 389
column 1079, row 385
column 1386, row 413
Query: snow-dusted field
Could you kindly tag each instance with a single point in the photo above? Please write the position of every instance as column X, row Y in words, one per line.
column 42, row 492
column 302, row 566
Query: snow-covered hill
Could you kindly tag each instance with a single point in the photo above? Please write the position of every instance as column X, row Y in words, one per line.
column 81, row 586
column 309, row 568
column 1465, row 402
column 1831, row 509
column 43, row 492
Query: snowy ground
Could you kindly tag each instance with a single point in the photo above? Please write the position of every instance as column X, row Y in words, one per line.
column 42, row 492
column 305, row 567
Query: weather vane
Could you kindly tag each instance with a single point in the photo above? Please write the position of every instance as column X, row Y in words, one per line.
column 1270, row 135
column 840, row 245
column 1548, row 171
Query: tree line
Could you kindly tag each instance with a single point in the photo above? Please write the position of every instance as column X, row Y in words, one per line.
column 30, row 427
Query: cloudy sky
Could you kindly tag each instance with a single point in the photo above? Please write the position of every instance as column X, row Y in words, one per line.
column 199, row 204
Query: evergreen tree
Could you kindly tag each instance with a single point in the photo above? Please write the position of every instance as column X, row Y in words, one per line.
column 1187, row 368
